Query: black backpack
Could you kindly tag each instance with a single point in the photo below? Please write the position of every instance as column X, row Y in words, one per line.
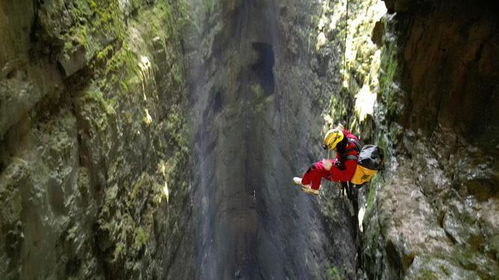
column 369, row 161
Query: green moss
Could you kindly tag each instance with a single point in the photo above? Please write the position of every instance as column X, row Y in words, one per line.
column 141, row 238
column 427, row 275
column 96, row 109
column 178, row 75
column 137, row 187
column 492, row 247
column 115, row 94
column 257, row 90
column 389, row 67
column 371, row 196
column 105, row 53
column 92, row 4
column 333, row 273
column 208, row 6
column 445, row 270
column 95, row 95
column 117, row 69
column 387, row 80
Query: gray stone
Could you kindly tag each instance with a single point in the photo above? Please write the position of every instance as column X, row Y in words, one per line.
column 71, row 63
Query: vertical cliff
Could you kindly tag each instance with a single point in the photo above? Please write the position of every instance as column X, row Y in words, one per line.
column 93, row 145
column 101, row 102
column 435, row 215
column 421, row 81
column 257, row 116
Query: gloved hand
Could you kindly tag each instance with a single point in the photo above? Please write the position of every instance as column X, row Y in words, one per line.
column 327, row 163
column 339, row 165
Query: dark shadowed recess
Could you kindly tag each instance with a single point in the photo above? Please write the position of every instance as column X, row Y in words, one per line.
column 263, row 68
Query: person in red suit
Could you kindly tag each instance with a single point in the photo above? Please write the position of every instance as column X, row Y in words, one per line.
column 341, row 169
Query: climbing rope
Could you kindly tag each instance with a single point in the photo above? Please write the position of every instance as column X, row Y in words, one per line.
column 328, row 152
column 346, row 39
column 345, row 187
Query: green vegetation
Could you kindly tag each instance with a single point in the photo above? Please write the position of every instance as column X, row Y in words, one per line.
column 388, row 89
column 92, row 20
column 388, row 67
column 371, row 197
column 208, row 6
column 427, row 275
column 125, row 96
column 334, row 273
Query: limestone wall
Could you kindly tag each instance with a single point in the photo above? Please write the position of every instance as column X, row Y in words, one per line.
column 421, row 82
column 93, row 143
column 435, row 214
column 257, row 116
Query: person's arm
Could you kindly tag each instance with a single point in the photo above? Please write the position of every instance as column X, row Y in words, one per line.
column 327, row 163
column 345, row 174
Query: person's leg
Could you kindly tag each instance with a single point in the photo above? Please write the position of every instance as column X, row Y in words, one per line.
column 314, row 175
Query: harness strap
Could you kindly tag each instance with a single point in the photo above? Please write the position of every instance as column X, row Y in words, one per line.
column 357, row 147
column 356, row 143
column 351, row 157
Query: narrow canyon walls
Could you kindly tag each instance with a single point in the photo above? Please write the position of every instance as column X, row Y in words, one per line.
column 94, row 151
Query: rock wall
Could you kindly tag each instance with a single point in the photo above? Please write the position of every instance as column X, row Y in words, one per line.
column 347, row 63
column 257, row 115
column 94, row 151
column 421, row 82
column 95, row 177
column 435, row 214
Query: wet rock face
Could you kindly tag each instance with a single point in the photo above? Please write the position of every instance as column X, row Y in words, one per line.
column 93, row 180
column 264, row 66
column 434, row 215
column 257, row 124
column 444, row 62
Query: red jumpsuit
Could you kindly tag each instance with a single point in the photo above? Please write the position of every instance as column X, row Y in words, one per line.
column 341, row 170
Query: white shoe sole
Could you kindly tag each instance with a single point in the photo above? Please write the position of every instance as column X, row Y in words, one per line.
column 297, row 181
column 309, row 190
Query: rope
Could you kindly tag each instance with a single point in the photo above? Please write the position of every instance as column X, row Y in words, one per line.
column 346, row 39
column 328, row 155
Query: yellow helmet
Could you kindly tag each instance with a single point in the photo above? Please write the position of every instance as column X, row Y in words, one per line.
column 332, row 138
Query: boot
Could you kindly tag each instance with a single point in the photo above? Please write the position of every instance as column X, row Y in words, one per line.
column 309, row 190
column 297, row 180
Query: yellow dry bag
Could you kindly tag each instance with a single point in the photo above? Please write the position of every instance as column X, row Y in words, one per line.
column 369, row 161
